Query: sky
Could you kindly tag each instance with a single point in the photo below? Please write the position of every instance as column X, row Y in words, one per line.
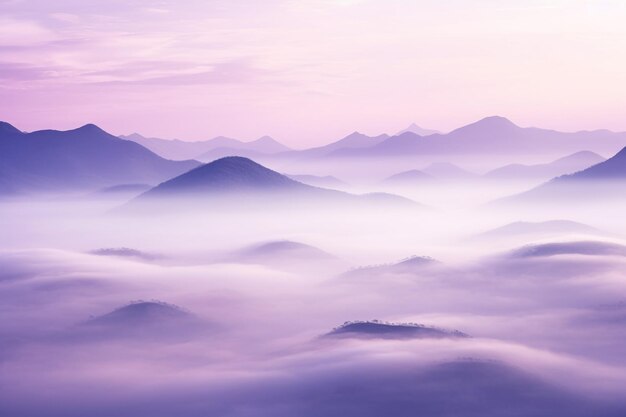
column 310, row 71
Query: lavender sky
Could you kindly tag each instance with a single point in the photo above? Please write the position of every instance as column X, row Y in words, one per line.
column 308, row 71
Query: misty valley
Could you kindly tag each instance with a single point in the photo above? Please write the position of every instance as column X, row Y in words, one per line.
column 478, row 272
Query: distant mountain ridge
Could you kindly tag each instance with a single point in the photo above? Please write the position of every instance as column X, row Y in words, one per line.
column 208, row 149
column 494, row 135
column 491, row 135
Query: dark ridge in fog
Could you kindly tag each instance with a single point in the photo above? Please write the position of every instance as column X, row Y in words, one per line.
column 125, row 189
column 378, row 329
column 141, row 313
column 238, row 179
column 570, row 248
column 283, row 249
column 228, row 174
column 410, row 265
column 412, row 177
column 522, row 228
column 143, row 319
column 126, row 253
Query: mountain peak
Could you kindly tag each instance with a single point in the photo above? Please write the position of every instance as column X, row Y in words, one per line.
column 133, row 136
column 354, row 134
column 8, row 128
column 488, row 126
column 231, row 173
column 415, row 128
column 495, row 122
column 492, row 122
column 267, row 139
column 90, row 128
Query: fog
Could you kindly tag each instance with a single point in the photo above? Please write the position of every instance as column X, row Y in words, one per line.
column 226, row 309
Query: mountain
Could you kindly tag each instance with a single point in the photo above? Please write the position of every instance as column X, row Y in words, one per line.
column 261, row 147
column 153, row 320
column 379, row 330
column 566, row 165
column 412, row 177
column 413, row 128
column 546, row 228
column 6, row 129
column 245, row 183
column 86, row 158
column 228, row 175
column 447, row 171
column 178, row 149
column 410, row 265
column 125, row 253
column 591, row 248
column 327, row 181
column 353, row 141
column 286, row 255
column 491, row 136
column 603, row 181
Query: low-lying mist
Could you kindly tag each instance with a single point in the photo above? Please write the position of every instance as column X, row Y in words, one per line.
column 229, row 310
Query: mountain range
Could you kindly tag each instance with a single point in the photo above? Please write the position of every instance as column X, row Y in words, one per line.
column 606, row 180
column 493, row 135
column 209, row 149
column 490, row 136
column 86, row 158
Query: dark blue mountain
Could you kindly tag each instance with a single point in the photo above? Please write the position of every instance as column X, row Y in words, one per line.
column 245, row 183
column 229, row 174
column 87, row 158
column 380, row 330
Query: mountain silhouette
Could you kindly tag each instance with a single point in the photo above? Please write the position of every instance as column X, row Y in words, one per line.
column 327, row 181
column 597, row 248
column 447, row 171
column 411, row 177
column 145, row 320
column 377, row 329
column 408, row 266
column 281, row 252
column 414, row 128
column 237, row 180
column 87, row 158
column 549, row 227
column 230, row 174
column 603, row 181
column 353, row 141
column 493, row 135
column 566, row 165
column 208, row 149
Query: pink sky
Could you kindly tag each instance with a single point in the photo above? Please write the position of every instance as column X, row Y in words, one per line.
column 309, row 71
